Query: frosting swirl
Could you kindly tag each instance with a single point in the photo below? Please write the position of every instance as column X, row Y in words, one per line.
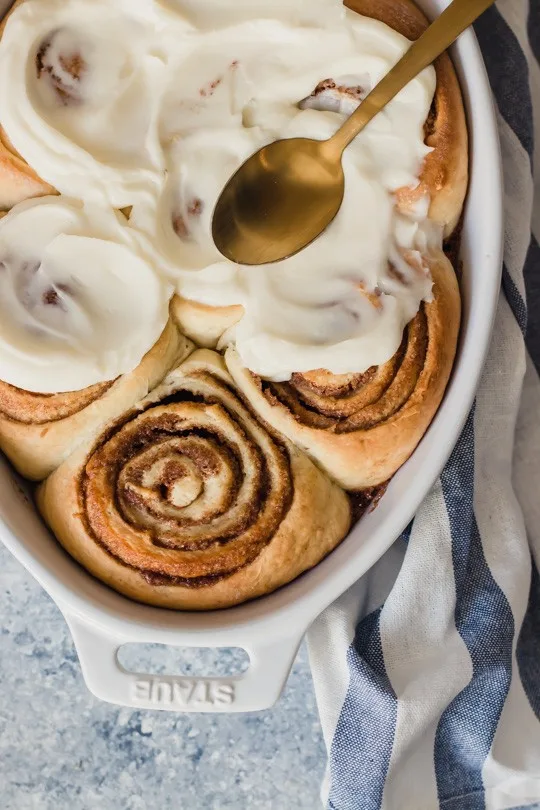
column 80, row 302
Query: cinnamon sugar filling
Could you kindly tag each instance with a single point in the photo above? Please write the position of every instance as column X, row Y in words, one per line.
column 29, row 408
column 182, row 491
column 349, row 402
column 73, row 67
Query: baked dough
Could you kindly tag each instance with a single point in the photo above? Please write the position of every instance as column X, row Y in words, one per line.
column 187, row 501
column 201, row 323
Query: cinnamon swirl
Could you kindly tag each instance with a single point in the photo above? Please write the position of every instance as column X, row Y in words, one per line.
column 188, row 502
column 361, row 428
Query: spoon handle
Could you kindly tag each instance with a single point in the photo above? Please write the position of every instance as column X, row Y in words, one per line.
column 436, row 39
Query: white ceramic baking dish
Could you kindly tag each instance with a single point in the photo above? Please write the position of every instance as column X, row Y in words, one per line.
column 270, row 629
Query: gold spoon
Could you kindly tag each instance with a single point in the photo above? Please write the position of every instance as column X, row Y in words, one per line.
column 288, row 192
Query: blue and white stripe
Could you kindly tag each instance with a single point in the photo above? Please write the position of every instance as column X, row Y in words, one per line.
column 427, row 672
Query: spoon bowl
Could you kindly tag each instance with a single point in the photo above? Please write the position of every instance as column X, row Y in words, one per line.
column 256, row 220
column 285, row 195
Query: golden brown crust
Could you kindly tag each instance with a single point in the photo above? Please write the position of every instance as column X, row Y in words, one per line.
column 30, row 408
column 445, row 172
column 39, row 431
column 202, row 323
column 187, row 502
column 362, row 428
column 18, row 181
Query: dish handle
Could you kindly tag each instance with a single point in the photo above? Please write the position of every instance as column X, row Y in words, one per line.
column 254, row 690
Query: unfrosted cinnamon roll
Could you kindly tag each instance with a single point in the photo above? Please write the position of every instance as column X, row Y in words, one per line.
column 188, row 502
column 361, row 428
column 84, row 327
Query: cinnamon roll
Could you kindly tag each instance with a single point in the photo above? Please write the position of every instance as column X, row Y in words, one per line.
column 361, row 428
column 188, row 502
column 79, row 92
column 84, row 327
column 203, row 324
column 242, row 87
column 180, row 225
column 444, row 176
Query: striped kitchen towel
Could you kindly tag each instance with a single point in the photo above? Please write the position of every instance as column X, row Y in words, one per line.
column 427, row 672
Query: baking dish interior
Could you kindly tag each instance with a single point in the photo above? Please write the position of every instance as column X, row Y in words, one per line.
column 297, row 604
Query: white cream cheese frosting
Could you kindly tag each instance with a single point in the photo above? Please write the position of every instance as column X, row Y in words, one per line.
column 80, row 301
column 342, row 303
column 80, row 93
column 191, row 90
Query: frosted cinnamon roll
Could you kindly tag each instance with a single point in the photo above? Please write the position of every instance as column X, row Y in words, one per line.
column 361, row 428
column 443, row 179
column 80, row 86
column 251, row 83
column 199, row 163
column 188, row 502
column 84, row 327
